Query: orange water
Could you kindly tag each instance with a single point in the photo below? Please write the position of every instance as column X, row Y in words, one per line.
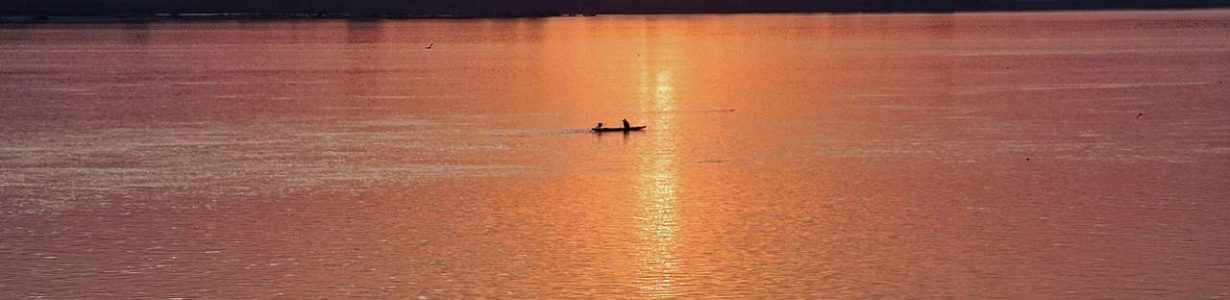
column 1048, row 155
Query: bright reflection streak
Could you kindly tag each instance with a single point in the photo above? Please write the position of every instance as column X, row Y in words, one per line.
column 658, row 226
column 656, row 184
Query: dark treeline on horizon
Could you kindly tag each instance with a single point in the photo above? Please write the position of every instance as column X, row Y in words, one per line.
column 550, row 7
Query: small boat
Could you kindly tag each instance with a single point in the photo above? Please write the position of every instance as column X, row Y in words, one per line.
column 617, row 129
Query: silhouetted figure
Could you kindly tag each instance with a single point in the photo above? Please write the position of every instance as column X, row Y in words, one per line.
column 626, row 124
column 599, row 125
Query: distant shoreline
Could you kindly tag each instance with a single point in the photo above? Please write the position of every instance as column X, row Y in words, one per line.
column 208, row 17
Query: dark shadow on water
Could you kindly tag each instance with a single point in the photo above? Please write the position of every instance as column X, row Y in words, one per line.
column 363, row 32
column 137, row 34
column 362, row 59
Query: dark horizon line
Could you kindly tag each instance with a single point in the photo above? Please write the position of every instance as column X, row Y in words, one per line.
column 325, row 15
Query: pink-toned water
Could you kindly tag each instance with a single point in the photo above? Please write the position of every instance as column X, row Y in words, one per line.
column 1022, row 155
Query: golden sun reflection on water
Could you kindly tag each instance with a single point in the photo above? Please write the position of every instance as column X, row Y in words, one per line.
column 657, row 228
column 657, row 219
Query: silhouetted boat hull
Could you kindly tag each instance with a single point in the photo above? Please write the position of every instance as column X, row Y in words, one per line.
column 617, row 129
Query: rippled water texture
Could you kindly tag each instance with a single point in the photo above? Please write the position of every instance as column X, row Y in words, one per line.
column 1022, row 155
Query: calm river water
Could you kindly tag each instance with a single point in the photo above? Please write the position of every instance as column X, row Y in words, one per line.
column 1016, row 155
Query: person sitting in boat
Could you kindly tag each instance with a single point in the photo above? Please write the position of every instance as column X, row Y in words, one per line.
column 599, row 125
column 626, row 124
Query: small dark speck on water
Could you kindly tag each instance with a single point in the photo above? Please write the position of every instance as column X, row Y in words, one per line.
column 1026, row 159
